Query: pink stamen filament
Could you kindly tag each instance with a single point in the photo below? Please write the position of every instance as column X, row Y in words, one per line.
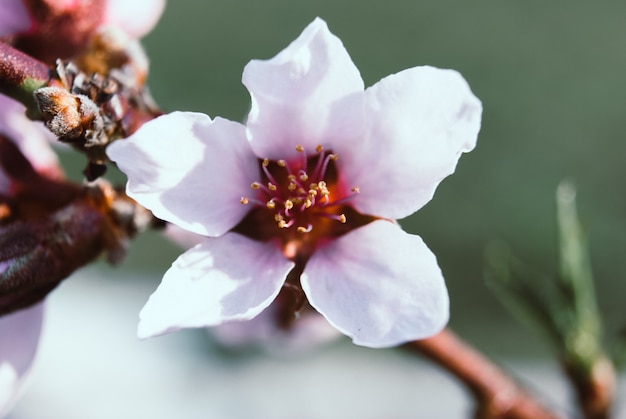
column 342, row 200
column 267, row 172
column 301, row 149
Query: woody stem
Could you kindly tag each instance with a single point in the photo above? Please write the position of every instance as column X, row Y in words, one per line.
column 497, row 395
column 21, row 75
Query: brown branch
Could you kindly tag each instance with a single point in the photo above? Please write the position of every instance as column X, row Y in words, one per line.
column 498, row 396
column 21, row 75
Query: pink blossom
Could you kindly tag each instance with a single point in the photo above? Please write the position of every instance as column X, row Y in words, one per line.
column 19, row 331
column 306, row 194
column 136, row 18
column 32, row 138
column 14, row 17
column 19, row 337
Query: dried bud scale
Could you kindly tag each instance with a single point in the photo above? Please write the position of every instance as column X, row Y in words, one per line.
column 99, row 98
column 49, row 228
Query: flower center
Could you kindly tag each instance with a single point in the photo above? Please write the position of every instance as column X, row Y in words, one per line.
column 302, row 202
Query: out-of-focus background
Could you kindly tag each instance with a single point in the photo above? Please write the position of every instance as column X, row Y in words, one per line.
column 552, row 79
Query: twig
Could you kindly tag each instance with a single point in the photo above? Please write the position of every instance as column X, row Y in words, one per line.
column 21, row 75
column 498, row 396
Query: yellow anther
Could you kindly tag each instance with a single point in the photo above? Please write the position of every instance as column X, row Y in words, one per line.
column 308, row 203
column 266, row 162
column 255, row 185
column 299, row 148
column 305, row 229
column 270, row 204
column 282, row 224
column 281, row 163
column 355, row 189
column 301, row 191
column 244, row 200
column 313, row 186
column 291, row 177
column 312, row 192
column 292, row 186
column 321, row 184
column 319, row 148
column 342, row 219
column 288, row 204
column 278, row 217
column 333, row 157
column 271, row 187
column 304, row 177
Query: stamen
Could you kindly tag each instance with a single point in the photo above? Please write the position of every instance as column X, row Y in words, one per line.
column 354, row 189
column 271, row 187
column 245, row 201
column 271, row 204
column 281, row 163
column 337, row 217
column 301, row 149
column 266, row 163
column 328, row 159
column 320, row 161
column 306, row 229
column 256, row 186
column 283, row 224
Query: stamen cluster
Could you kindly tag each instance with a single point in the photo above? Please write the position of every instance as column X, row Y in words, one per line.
column 300, row 191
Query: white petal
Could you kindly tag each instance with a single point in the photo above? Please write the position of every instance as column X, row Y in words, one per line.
column 136, row 17
column 222, row 279
column 300, row 96
column 19, row 337
column 420, row 121
column 378, row 285
column 189, row 170
column 14, row 17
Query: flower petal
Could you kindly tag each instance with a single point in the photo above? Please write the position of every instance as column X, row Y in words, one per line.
column 299, row 96
column 189, row 170
column 14, row 17
column 19, row 337
column 222, row 279
column 379, row 285
column 420, row 121
column 136, row 17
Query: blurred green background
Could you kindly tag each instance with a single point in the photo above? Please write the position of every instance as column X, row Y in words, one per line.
column 551, row 76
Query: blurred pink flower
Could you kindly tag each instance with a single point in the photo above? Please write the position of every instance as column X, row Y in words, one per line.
column 136, row 17
column 32, row 138
column 305, row 194
column 14, row 17
column 19, row 331
column 19, row 337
